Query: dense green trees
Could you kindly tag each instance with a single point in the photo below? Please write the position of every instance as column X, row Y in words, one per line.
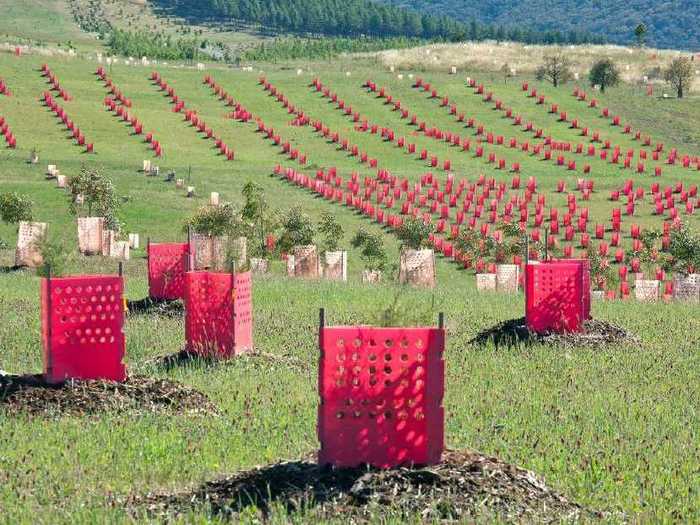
column 322, row 48
column 669, row 24
column 680, row 75
column 360, row 18
column 604, row 73
column 152, row 45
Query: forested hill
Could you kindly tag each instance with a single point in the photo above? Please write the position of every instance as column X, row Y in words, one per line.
column 670, row 23
column 353, row 18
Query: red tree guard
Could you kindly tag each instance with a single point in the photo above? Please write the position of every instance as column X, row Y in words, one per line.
column 81, row 320
column 381, row 395
column 218, row 315
column 558, row 296
column 167, row 264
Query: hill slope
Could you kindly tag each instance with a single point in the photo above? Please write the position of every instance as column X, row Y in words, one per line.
column 671, row 24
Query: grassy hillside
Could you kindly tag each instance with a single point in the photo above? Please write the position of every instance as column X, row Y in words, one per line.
column 670, row 24
column 39, row 20
column 613, row 428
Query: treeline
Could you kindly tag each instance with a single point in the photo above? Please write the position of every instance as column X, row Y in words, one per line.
column 356, row 18
column 153, row 45
column 672, row 24
column 322, row 48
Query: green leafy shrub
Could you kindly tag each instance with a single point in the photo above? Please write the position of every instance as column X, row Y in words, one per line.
column 298, row 230
column 414, row 233
column 99, row 197
column 56, row 257
column 371, row 248
column 15, row 207
column 216, row 221
column 259, row 218
column 685, row 250
column 332, row 232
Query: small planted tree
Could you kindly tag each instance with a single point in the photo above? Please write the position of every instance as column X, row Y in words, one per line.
column 335, row 258
column 679, row 74
column 56, row 257
column 555, row 69
column 332, row 232
column 215, row 221
column 640, row 34
column 468, row 243
column 685, row 251
column 260, row 219
column 93, row 195
column 372, row 253
column 417, row 263
column 297, row 239
column 297, row 230
column 414, row 234
column 15, row 208
column 604, row 73
column 217, row 241
column 602, row 276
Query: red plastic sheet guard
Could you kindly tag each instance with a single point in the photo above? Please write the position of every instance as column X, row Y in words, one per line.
column 558, row 295
column 381, row 393
column 82, row 328
column 218, row 315
column 167, row 263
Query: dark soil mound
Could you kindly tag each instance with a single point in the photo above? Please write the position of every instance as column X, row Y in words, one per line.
column 150, row 306
column 187, row 358
column 515, row 331
column 464, row 486
column 31, row 394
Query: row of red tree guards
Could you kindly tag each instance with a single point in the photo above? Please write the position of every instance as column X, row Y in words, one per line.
column 83, row 316
column 381, row 389
column 5, row 129
column 499, row 140
column 120, row 105
column 302, row 118
column 191, row 116
column 381, row 196
column 54, row 106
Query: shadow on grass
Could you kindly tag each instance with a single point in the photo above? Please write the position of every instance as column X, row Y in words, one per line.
column 183, row 358
column 11, row 269
column 513, row 332
column 150, row 306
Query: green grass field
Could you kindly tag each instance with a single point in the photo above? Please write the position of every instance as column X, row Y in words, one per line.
column 613, row 428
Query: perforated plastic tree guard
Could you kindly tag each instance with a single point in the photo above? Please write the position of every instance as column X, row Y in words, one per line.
column 82, row 319
column 167, row 263
column 381, row 393
column 218, row 313
column 558, row 297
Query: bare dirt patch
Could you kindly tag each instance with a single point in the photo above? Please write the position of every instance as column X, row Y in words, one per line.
column 595, row 333
column 466, row 485
column 30, row 394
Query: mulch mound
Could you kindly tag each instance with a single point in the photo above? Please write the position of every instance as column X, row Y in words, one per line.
column 466, row 485
column 187, row 358
column 595, row 333
column 150, row 306
column 30, row 394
